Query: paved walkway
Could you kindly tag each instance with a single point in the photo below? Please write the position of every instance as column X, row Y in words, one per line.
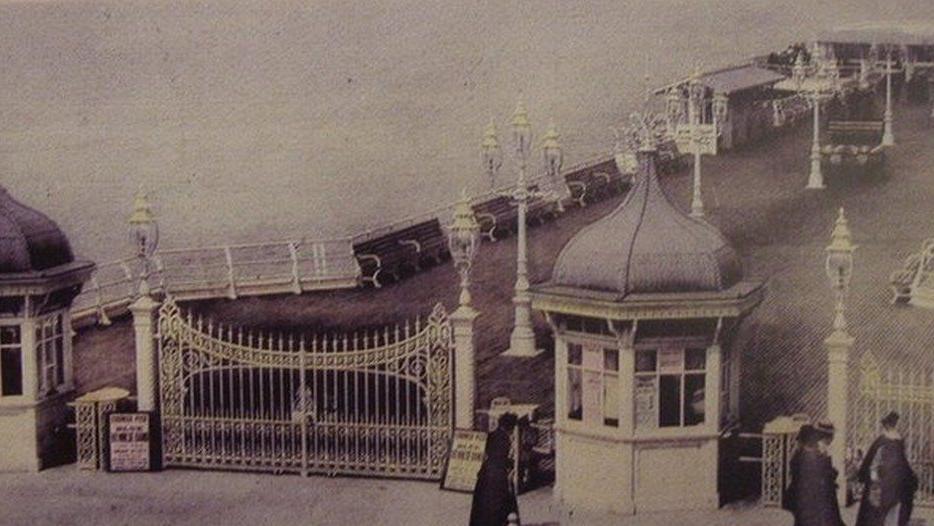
column 67, row 496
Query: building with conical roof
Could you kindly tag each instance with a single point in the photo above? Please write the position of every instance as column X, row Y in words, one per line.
column 39, row 278
column 643, row 304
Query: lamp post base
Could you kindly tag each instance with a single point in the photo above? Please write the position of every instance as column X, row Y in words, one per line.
column 888, row 139
column 522, row 343
column 815, row 181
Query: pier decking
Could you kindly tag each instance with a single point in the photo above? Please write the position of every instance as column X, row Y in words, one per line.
column 756, row 196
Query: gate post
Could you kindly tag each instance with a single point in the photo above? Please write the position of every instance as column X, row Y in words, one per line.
column 838, row 360
column 143, row 310
column 462, row 321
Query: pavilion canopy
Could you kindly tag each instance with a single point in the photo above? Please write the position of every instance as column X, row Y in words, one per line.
column 901, row 33
column 732, row 79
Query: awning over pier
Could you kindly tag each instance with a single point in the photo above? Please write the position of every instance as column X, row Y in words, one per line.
column 732, row 79
column 913, row 33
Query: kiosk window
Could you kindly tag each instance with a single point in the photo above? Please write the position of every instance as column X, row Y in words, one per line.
column 669, row 388
column 11, row 362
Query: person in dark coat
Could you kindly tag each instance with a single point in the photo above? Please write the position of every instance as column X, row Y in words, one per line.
column 888, row 480
column 494, row 498
column 812, row 494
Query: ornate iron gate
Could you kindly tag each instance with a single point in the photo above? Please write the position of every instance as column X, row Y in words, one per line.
column 910, row 392
column 376, row 403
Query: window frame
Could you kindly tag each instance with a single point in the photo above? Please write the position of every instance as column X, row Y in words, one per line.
column 17, row 324
column 603, row 344
column 656, row 374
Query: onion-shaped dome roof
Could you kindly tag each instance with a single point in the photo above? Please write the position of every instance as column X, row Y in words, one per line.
column 29, row 241
column 647, row 245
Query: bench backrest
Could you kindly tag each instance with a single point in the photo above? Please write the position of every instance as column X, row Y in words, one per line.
column 855, row 132
column 420, row 232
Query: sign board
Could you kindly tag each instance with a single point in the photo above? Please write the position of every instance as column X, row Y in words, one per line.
column 129, row 435
column 706, row 138
column 465, row 457
column 646, row 412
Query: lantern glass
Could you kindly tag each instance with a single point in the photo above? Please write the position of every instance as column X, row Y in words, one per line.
column 720, row 103
column 839, row 267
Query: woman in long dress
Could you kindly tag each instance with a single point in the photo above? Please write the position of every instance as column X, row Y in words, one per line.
column 812, row 496
column 888, row 480
column 494, row 498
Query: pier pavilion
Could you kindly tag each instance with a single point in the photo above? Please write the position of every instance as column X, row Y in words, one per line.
column 39, row 278
column 643, row 304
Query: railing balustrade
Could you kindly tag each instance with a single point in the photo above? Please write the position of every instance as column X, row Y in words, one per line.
column 220, row 271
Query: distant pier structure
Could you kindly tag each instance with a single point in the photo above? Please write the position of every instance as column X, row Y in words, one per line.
column 909, row 44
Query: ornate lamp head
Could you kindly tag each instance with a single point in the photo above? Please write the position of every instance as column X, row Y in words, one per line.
column 463, row 242
column 490, row 152
column 553, row 156
column 673, row 108
column 144, row 231
column 144, row 234
column 521, row 131
column 721, row 104
column 839, row 262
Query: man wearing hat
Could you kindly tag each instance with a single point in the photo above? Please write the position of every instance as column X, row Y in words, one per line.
column 812, row 494
column 889, row 484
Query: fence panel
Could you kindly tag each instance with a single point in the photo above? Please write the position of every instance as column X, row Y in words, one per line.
column 908, row 391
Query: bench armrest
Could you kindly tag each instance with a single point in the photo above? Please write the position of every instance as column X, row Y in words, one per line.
column 412, row 242
column 374, row 257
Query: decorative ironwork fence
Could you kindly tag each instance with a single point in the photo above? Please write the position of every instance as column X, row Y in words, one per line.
column 377, row 403
column 222, row 271
column 908, row 391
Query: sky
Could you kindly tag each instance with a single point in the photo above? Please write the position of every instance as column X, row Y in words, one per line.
column 263, row 120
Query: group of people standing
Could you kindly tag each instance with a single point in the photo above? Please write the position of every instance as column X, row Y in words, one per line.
column 889, row 484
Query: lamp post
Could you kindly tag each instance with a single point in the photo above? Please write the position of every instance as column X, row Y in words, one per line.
column 522, row 340
column 799, row 74
column 839, row 268
column 491, row 153
column 888, row 138
column 695, row 100
column 144, row 234
column 463, row 242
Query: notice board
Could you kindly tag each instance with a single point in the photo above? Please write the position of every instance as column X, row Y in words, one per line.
column 130, row 438
column 465, row 456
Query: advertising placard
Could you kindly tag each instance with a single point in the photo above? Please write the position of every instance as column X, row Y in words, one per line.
column 130, row 448
column 464, row 460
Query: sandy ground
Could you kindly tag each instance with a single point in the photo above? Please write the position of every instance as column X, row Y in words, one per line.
column 67, row 496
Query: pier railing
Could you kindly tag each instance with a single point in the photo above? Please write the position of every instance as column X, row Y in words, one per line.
column 226, row 271
column 444, row 213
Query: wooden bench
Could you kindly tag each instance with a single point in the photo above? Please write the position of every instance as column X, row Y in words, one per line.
column 498, row 214
column 856, row 145
column 594, row 182
column 406, row 249
column 904, row 280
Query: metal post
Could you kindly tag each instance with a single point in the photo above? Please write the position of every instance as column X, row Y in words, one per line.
column 522, row 340
column 694, row 107
column 147, row 394
column 838, row 358
column 816, row 178
column 231, row 275
column 888, row 138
